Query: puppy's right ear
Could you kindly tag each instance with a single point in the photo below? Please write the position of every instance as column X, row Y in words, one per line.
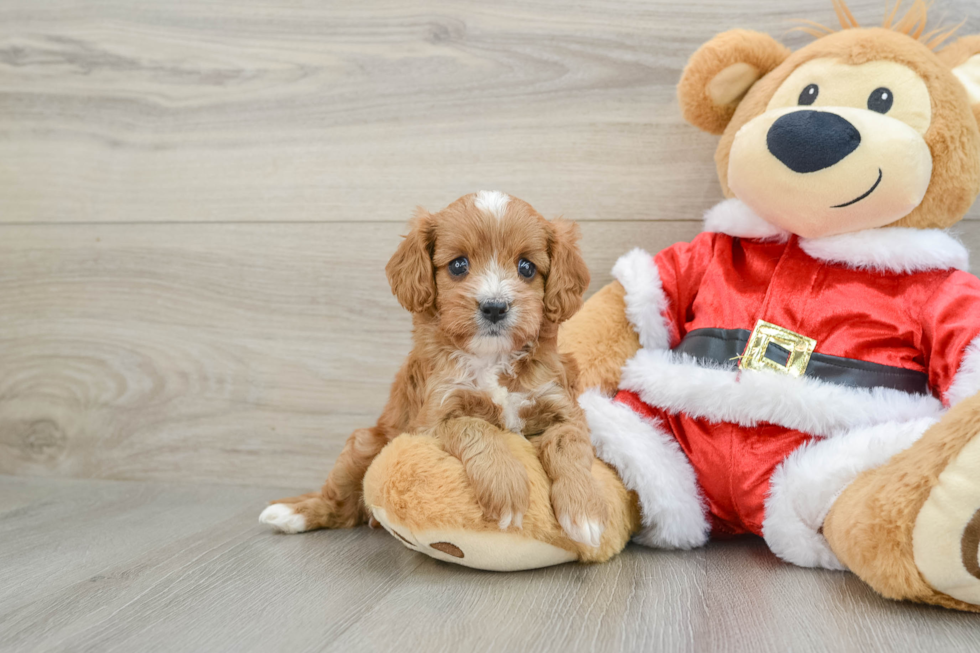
column 721, row 72
column 410, row 272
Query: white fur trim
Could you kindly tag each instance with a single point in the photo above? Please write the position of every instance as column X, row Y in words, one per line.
column 891, row 249
column 888, row 249
column 645, row 300
column 966, row 383
column 650, row 463
column 804, row 487
column 493, row 202
column 734, row 218
column 680, row 384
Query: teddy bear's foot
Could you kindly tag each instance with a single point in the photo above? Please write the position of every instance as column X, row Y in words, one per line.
column 946, row 537
column 421, row 495
column 911, row 528
column 500, row 551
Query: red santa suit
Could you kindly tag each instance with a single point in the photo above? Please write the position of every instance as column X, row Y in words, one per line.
column 775, row 369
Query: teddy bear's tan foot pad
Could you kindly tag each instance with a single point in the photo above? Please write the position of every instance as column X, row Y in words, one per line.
column 946, row 537
column 489, row 550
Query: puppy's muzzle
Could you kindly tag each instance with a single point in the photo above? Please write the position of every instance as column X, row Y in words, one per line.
column 494, row 311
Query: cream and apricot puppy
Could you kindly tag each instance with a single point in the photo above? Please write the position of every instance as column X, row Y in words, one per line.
column 488, row 281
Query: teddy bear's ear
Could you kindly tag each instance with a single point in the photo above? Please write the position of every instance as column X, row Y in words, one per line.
column 963, row 56
column 721, row 72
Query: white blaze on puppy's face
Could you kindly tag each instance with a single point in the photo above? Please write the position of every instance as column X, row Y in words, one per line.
column 495, row 285
column 493, row 202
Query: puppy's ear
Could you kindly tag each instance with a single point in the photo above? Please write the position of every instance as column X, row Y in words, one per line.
column 963, row 57
column 410, row 272
column 569, row 276
column 721, row 72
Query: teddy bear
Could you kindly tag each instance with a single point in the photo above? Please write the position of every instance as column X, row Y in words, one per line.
column 807, row 368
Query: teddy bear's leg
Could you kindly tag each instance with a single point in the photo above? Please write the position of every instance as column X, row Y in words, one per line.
column 911, row 528
column 601, row 339
column 421, row 495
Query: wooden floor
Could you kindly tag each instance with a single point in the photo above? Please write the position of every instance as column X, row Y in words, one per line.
column 100, row 566
column 197, row 199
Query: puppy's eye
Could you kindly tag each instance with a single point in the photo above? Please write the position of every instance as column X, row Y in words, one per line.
column 881, row 100
column 809, row 95
column 459, row 266
column 526, row 269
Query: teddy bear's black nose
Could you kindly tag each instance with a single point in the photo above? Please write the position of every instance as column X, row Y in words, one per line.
column 807, row 141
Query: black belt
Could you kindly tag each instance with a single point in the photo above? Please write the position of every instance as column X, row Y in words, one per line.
column 725, row 346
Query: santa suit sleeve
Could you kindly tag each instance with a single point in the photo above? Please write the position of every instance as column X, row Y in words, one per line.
column 951, row 337
column 660, row 290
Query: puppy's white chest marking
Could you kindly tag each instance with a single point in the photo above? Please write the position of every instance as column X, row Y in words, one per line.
column 483, row 373
column 511, row 403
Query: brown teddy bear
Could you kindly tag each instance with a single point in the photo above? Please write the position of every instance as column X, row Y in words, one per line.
column 807, row 369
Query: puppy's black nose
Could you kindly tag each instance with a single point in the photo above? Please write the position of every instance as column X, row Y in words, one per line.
column 494, row 311
column 807, row 141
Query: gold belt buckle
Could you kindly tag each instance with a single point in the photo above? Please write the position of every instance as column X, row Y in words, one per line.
column 799, row 348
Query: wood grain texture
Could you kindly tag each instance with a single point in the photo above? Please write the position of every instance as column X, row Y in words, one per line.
column 246, row 110
column 125, row 566
column 197, row 199
column 211, row 353
column 215, row 353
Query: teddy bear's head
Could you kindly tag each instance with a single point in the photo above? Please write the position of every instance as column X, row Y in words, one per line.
column 862, row 128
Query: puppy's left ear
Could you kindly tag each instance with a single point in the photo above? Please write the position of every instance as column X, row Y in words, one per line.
column 410, row 271
column 963, row 57
column 568, row 276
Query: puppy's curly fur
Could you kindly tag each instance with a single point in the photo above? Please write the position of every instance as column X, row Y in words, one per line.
column 488, row 281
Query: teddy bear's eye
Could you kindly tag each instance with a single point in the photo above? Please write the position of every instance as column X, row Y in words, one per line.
column 459, row 266
column 809, row 95
column 881, row 100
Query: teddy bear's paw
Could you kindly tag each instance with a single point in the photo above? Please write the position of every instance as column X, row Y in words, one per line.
column 282, row 517
column 580, row 508
column 480, row 549
column 946, row 537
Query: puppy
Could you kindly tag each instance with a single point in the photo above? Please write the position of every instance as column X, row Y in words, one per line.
column 488, row 281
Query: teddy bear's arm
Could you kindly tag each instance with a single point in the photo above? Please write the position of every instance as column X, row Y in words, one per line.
column 950, row 328
column 600, row 339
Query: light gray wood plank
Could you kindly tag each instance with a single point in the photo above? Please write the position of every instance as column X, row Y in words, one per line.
column 211, row 353
column 245, row 111
column 757, row 602
column 642, row 600
column 161, row 567
column 126, row 566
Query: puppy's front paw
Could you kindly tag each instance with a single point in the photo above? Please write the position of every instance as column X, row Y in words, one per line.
column 502, row 491
column 282, row 516
column 580, row 508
